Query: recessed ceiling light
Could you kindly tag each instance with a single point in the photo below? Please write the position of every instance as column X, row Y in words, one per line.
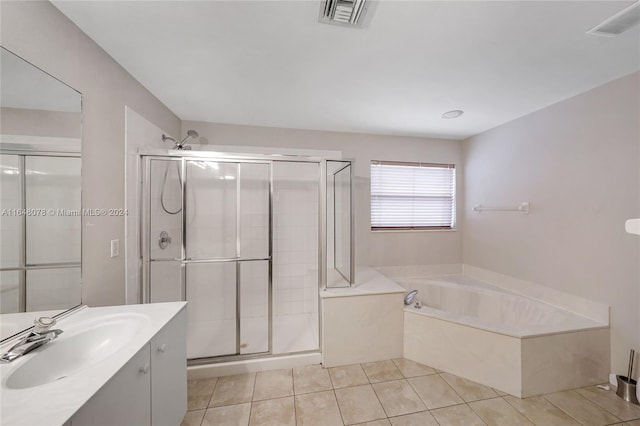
column 452, row 114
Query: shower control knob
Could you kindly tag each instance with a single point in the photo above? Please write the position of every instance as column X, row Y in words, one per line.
column 164, row 240
column 145, row 369
column 162, row 348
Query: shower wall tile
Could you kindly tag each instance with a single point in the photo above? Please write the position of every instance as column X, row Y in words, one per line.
column 166, row 279
column 295, row 238
column 160, row 219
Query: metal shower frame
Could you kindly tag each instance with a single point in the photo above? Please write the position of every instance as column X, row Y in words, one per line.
column 145, row 243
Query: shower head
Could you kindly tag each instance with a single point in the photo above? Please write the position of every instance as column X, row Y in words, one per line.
column 191, row 134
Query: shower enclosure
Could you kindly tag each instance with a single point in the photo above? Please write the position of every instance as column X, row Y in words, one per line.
column 242, row 238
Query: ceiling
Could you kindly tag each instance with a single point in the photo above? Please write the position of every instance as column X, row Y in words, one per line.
column 270, row 63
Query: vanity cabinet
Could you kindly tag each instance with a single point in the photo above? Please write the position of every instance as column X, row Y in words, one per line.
column 123, row 400
column 151, row 389
column 169, row 373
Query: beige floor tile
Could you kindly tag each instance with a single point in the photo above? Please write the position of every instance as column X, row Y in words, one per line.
column 497, row 412
column 273, row 412
column 312, row 378
column 540, row 411
column 229, row 415
column 398, row 398
column 232, row 390
column 199, row 393
column 410, row 368
column 193, row 418
column 633, row 423
column 499, row 392
column 457, row 415
column 611, row 402
column 581, row 409
column 359, row 404
column 468, row 390
column 318, row 409
column 273, row 384
column 382, row 371
column 434, row 391
column 423, row 418
column 383, row 422
column 349, row 375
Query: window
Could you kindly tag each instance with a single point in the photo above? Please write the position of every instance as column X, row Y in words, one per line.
column 412, row 195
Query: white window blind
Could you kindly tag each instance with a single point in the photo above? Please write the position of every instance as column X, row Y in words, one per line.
column 412, row 195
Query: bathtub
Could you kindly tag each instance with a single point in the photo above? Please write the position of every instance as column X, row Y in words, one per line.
column 510, row 342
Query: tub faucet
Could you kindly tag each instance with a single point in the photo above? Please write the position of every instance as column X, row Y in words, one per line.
column 408, row 299
column 40, row 335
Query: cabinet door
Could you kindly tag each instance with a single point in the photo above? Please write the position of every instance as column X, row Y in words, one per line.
column 123, row 400
column 169, row 373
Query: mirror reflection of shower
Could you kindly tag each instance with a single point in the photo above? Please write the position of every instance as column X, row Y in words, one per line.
column 180, row 146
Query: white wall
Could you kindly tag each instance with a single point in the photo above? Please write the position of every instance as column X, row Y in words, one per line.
column 39, row 33
column 34, row 122
column 140, row 134
column 578, row 163
column 409, row 248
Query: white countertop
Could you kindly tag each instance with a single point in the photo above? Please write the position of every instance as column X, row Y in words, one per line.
column 56, row 402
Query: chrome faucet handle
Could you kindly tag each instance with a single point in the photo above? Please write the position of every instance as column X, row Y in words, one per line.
column 43, row 324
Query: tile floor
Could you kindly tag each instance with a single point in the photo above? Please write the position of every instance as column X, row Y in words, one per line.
column 396, row 392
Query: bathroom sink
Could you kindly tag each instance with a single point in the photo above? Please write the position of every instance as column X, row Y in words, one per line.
column 81, row 346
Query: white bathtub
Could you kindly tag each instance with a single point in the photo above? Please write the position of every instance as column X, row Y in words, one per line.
column 468, row 301
column 500, row 339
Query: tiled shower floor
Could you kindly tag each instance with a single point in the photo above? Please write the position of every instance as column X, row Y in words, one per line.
column 394, row 392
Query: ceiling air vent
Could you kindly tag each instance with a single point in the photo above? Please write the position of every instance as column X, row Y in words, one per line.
column 618, row 23
column 342, row 12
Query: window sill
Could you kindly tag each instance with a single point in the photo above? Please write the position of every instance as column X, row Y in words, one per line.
column 383, row 231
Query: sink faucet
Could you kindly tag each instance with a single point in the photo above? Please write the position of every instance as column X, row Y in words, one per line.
column 40, row 335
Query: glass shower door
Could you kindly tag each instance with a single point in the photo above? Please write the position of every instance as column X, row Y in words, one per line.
column 226, row 228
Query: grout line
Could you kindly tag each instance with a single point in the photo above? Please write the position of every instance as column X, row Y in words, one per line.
column 365, row 373
column 295, row 410
column 602, row 407
column 202, row 419
column 560, row 408
column 330, row 379
column 253, row 391
column 211, row 396
column 477, row 415
column 384, row 410
column 339, row 409
column 516, row 408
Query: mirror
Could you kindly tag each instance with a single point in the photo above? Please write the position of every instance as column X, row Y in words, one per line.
column 339, row 224
column 40, row 224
